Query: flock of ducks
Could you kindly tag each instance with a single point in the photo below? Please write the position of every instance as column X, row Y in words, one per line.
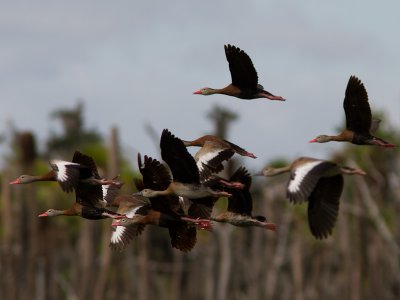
column 181, row 196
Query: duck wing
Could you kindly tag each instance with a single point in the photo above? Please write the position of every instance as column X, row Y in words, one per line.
column 157, row 177
column 128, row 205
column 241, row 201
column 122, row 235
column 183, row 237
column 304, row 177
column 66, row 173
column 209, row 159
column 89, row 195
column 356, row 107
column 243, row 73
column 88, row 166
column 323, row 206
column 180, row 161
column 202, row 207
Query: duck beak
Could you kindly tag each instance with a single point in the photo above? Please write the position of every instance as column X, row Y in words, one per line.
column 45, row 214
column 312, row 141
column 16, row 181
column 138, row 194
column 197, row 92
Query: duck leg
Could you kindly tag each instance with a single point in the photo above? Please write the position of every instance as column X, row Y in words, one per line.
column 201, row 224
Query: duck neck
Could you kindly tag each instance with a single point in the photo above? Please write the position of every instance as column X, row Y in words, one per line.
column 277, row 171
column 34, row 178
column 50, row 176
column 193, row 143
column 165, row 192
column 211, row 91
column 351, row 171
column 64, row 212
column 336, row 138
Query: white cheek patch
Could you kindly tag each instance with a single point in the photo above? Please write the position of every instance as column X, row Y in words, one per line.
column 299, row 175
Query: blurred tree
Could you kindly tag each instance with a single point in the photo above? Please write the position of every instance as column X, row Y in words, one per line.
column 74, row 133
column 221, row 117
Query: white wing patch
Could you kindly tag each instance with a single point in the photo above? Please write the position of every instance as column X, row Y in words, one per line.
column 110, row 192
column 130, row 213
column 204, row 158
column 116, row 236
column 184, row 203
column 105, row 188
column 299, row 174
column 62, row 168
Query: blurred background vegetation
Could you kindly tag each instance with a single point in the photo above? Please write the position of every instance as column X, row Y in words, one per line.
column 69, row 258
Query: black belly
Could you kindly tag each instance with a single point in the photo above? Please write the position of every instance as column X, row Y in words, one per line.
column 92, row 213
column 362, row 139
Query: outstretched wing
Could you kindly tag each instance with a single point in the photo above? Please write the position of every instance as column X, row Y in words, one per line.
column 202, row 208
column 209, row 159
column 241, row 201
column 121, row 236
column 67, row 174
column 243, row 73
column 304, row 178
column 155, row 175
column 88, row 166
column 356, row 107
column 183, row 237
column 323, row 206
column 87, row 194
column 180, row 161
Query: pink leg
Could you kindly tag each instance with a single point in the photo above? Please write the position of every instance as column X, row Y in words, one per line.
column 270, row 226
column 388, row 145
column 250, row 155
column 272, row 97
column 202, row 224
column 234, row 185
column 222, row 194
column 113, row 216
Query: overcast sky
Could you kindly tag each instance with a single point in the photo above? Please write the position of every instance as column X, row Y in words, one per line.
column 138, row 62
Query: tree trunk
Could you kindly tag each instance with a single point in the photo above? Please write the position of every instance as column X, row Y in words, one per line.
column 224, row 238
column 105, row 256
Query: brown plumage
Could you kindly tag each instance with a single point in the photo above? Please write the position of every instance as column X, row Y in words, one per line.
column 82, row 169
column 164, row 211
column 91, row 195
column 86, row 205
column 359, row 124
column 213, row 152
column 186, row 178
column 244, row 78
column 240, row 205
column 321, row 183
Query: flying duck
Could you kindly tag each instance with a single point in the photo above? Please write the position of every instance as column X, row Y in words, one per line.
column 320, row 183
column 244, row 78
column 359, row 124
